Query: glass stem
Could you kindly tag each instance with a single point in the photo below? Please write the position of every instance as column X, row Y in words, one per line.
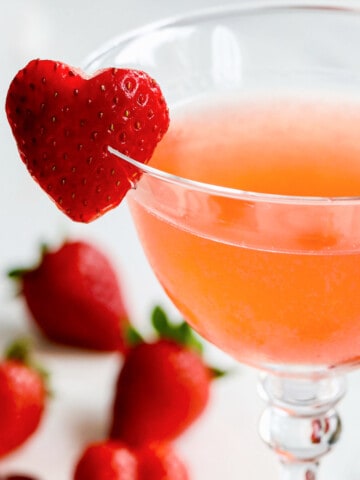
column 298, row 471
column 300, row 422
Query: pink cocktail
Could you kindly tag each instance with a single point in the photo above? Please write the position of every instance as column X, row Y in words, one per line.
column 269, row 283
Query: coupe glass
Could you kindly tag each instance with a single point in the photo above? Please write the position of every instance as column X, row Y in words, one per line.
column 268, row 271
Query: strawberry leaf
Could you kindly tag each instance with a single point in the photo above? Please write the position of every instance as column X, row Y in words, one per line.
column 218, row 373
column 181, row 333
column 132, row 336
column 189, row 338
column 19, row 272
column 159, row 320
column 19, row 350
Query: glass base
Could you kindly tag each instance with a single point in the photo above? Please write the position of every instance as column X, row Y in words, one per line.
column 300, row 423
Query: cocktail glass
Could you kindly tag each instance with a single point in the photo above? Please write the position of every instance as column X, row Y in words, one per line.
column 270, row 275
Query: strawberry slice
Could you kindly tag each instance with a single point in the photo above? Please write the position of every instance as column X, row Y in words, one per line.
column 64, row 121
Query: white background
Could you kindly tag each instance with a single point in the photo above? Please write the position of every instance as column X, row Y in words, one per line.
column 224, row 443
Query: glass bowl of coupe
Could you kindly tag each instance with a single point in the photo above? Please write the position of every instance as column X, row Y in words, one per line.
column 249, row 211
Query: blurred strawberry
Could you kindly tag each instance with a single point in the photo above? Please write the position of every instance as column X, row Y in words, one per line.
column 162, row 388
column 23, row 394
column 75, row 298
column 160, row 462
column 106, row 461
column 110, row 460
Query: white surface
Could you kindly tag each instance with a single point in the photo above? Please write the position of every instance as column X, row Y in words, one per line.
column 224, row 444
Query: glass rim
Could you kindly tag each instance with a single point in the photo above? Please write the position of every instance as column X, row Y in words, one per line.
column 246, row 6
column 251, row 6
column 235, row 193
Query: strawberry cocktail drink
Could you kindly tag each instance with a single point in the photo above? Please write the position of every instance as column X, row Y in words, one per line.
column 249, row 211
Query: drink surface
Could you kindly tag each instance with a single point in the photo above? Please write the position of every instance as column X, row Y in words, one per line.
column 298, row 304
column 301, row 147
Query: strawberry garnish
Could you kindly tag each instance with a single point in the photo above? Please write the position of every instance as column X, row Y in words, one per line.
column 64, row 121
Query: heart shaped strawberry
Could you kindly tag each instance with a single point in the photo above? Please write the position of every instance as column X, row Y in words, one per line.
column 64, row 121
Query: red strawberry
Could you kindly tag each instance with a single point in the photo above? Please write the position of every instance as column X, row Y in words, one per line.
column 161, row 390
column 106, row 461
column 75, row 298
column 160, row 462
column 22, row 399
column 109, row 460
column 63, row 122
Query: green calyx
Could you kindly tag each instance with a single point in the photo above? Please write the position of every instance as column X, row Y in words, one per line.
column 132, row 336
column 18, row 273
column 20, row 350
column 179, row 332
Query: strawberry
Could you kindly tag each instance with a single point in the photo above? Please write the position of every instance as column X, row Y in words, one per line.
column 64, row 121
column 162, row 388
column 106, row 461
column 160, row 462
column 23, row 395
column 75, row 298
